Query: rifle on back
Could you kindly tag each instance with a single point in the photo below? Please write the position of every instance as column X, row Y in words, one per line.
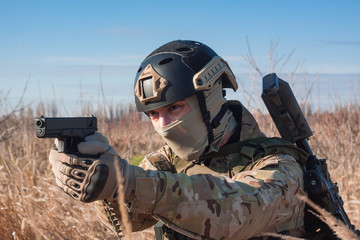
column 293, row 127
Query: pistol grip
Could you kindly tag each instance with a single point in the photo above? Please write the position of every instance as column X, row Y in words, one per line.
column 68, row 144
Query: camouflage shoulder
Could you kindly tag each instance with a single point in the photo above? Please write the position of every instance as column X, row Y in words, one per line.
column 249, row 128
column 158, row 160
column 273, row 160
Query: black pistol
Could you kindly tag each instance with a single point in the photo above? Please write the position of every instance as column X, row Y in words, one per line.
column 70, row 131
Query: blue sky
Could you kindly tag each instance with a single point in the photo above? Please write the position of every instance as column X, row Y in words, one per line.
column 63, row 45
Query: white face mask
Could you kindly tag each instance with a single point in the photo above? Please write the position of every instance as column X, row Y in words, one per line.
column 187, row 136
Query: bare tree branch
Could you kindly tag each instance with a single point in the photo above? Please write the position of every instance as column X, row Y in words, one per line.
column 5, row 132
column 251, row 59
column 17, row 107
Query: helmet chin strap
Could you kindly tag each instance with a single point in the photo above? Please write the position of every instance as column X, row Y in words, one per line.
column 210, row 125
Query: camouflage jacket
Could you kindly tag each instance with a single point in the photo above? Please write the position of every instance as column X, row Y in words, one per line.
column 216, row 200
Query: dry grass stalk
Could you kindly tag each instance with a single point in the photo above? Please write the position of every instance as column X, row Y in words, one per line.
column 6, row 165
column 338, row 227
column 275, row 235
column 124, row 218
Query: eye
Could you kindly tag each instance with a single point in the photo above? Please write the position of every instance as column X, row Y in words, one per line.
column 152, row 114
column 175, row 107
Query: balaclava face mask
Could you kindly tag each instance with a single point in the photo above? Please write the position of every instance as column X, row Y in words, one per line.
column 187, row 136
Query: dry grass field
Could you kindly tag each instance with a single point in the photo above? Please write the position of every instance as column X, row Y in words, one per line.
column 33, row 207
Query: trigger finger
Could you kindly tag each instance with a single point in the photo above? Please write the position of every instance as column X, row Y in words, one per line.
column 70, row 159
column 55, row 156
column 61, row 169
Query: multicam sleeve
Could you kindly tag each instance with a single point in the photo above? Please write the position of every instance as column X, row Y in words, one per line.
column 217, row 207
column 139, row 221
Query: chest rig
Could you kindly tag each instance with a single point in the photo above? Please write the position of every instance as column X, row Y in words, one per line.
column 230, row 160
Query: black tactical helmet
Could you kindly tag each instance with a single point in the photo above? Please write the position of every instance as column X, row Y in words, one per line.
column 177, row 70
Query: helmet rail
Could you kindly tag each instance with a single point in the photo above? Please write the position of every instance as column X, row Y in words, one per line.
column 211, row 72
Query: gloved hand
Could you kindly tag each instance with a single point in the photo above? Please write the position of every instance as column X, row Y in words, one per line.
column 92, row 175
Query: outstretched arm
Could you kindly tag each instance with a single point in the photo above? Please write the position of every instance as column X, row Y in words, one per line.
column 218, row 207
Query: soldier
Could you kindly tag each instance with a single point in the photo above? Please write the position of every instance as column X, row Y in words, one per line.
column 217, row 177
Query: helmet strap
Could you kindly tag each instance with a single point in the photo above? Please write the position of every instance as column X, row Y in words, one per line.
column 210, row 125
column 206, row 115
